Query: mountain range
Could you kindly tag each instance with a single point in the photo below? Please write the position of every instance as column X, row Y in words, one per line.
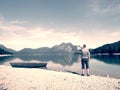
column 57, row 49
column 63, row 48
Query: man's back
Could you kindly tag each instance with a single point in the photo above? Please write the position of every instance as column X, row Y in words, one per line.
column 85, row 53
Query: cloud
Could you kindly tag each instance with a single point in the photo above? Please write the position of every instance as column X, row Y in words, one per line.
column 104, row 7
column 18, row 37
column 11, row 27
column 115, row 34
column 6, row 26
column 18, row 22
column 23, row 36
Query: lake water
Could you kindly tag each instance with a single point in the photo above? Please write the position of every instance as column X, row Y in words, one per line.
column 99, row 65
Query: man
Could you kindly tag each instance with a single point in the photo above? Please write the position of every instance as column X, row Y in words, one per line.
column 85, row 57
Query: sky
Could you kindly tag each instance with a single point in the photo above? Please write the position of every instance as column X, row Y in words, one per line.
column 45, row 23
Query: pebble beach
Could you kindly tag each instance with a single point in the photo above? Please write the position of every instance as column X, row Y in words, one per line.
column 42, row 79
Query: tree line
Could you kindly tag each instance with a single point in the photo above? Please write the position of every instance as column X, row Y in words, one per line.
column 107, row 48
column 2, row 51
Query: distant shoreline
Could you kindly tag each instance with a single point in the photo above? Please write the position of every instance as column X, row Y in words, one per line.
column 2, row 55
column 57, row 54
column 106, row 54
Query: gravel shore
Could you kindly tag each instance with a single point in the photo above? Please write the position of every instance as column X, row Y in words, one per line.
column 40, row 79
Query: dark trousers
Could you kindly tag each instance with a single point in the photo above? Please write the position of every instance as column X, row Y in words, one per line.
column 85, row 62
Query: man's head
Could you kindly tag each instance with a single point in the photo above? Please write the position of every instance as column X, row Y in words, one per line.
column 84, row 45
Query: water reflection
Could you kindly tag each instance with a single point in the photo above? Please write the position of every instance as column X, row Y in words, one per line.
column 68, row 59
column 109, row 59
column 58, row 59
column 6, row 59
column 99, row 65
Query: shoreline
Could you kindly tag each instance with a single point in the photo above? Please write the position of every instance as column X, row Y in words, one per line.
column 42, row 79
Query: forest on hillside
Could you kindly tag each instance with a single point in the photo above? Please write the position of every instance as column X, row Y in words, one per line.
column 107, row 48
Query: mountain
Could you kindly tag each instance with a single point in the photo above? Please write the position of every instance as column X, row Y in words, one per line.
column 65, row 47
column 57, row 49
column 25, row 51
column 42, row 50
column 107, row 48
column 4, row 50
column 7, row 49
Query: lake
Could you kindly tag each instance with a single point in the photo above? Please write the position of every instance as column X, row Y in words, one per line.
column 99, row 65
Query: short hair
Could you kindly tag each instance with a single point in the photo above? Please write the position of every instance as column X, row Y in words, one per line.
column 84, row 45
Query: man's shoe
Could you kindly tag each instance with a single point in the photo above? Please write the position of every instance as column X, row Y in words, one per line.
column 88, row 74
column 82, row 75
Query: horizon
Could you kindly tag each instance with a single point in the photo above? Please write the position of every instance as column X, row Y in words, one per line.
column 53, row 46
column 35, row 24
